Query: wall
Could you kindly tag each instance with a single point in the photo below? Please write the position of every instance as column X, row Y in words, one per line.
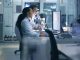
column 16, row 13
column 1, row 19
column 69, row 9
column 1, row 6
column 78, row 8
column 69, row 6
column 10, row 15
column 7, row 22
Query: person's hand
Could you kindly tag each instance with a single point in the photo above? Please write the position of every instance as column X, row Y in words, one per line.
column 42, row 34
column 40, row 28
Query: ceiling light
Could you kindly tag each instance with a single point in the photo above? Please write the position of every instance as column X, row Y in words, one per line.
column 53, row 7
column 0, row 2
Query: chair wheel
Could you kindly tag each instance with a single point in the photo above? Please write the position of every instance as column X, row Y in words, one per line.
column 15, row 52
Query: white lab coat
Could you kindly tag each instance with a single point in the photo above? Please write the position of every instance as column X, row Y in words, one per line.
column 31, row 40
column 27, row 28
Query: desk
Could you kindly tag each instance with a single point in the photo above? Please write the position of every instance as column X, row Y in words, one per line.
column 71, row 50
column 74, row 39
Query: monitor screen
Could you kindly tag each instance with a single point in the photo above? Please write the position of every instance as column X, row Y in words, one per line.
column 56, row 21
column 27, row 5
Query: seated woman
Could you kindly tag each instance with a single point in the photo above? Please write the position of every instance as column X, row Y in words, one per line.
column 76, row 27
column 26, row 28
column 25, row 25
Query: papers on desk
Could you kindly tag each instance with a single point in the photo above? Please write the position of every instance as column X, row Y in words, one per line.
column 38, row 30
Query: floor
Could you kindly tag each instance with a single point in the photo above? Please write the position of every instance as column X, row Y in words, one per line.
column 7, row 51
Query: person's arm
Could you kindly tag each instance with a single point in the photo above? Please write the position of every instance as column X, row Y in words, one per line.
column 34, row 25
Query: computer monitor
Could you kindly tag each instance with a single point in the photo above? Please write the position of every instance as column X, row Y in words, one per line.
column 56, row 21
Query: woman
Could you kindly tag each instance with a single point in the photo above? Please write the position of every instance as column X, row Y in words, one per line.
column 76, row 28
column 26, row 29
column 27, row 46
column 24, row 23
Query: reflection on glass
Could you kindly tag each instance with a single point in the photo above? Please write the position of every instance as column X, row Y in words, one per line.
column 48, row 8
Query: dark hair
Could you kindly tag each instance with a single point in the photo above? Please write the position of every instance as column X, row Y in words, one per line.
column 78, row 20
column 25, row 10
column 33, row 6
column 21, row 17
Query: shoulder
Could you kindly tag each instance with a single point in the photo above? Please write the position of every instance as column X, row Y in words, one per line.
column 25, row 20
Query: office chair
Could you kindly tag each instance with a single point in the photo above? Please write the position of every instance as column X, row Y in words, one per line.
column 54, row 49
column 18, row 35
column 55, row 53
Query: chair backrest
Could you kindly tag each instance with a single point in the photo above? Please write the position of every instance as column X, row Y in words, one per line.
column 54, row 49
column 17, row 32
